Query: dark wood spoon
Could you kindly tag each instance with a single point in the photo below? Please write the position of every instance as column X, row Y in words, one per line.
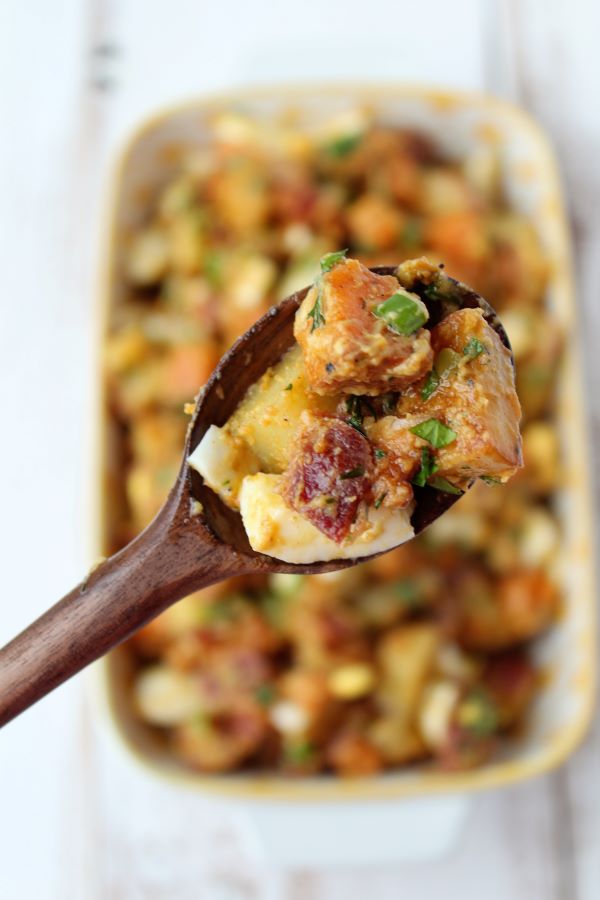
column 180, row 552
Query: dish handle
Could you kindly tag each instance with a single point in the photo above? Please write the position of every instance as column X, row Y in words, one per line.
column 353, row 833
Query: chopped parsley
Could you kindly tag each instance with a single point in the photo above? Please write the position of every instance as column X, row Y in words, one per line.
column 316, row 313
column 353, row 473
column 442, row 484
column 435, row 433
column 432, row 382
column 265, row 694
column 433, row 292
column 355, row 414
column 379, row 454
column 478, row 714
column 489, row 479
column 380, row 500
column 473, row 348
column 413, row 233
column 406, row 591
column 226, row 482
column 344, row 145
column 299, row 752
column 402, row 313
column 289, row 387
column 428, row 467
column 332, row 259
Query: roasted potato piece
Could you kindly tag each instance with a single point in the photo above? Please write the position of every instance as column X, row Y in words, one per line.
column 346, row 341
column 475, row 398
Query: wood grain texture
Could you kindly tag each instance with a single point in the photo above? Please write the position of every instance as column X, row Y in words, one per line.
column 83, row 824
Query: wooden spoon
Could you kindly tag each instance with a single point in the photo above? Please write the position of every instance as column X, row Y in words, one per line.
column 181, row 551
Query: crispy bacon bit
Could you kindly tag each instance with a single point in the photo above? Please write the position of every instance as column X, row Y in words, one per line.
column 329, row 475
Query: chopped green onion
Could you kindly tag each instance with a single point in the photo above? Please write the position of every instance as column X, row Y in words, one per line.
column 353, row 473
column 332, row 259
column 316, row 314
column 428, row 467
column 432, row 383
column 435, row 433
column 379, row 454
column 441, row 484
column 380, row 500
column 402, row 314
column 473, row 348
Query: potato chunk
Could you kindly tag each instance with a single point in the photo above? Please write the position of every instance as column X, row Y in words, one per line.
column 475, row 397
column 349, row 348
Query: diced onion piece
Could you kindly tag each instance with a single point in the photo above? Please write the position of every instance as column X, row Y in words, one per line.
column 288, row 717
column 437, row 708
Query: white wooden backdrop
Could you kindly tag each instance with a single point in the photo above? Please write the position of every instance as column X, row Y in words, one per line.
column 75, row 76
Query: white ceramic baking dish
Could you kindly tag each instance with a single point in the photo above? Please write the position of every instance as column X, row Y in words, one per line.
column 459, row 123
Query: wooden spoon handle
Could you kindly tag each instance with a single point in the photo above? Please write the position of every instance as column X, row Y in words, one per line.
column 119, row 596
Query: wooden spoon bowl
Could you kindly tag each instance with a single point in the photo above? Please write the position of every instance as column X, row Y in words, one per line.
column 184, row 548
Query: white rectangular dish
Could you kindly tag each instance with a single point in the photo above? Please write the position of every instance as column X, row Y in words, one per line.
column 457, row 123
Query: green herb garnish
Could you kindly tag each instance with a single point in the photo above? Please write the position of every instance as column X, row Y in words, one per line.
column 344, row 145
column 406, row 591
column 441, row 484
column 353, row 473
column 428, row 467
column 330, row 260
column 288, row 388
column 265, row 694
column 355, row 414
column 489, row 479
column 379, row 454
column 402, row 314
column 435, row 433
column 412, row 233
column 299, row 752
column 316, row 313
column 432, row 382
column 433, row 292
column 473, row 348
column 380, row 500
column 226, row 482
column 213, row 268
column 478, row 714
